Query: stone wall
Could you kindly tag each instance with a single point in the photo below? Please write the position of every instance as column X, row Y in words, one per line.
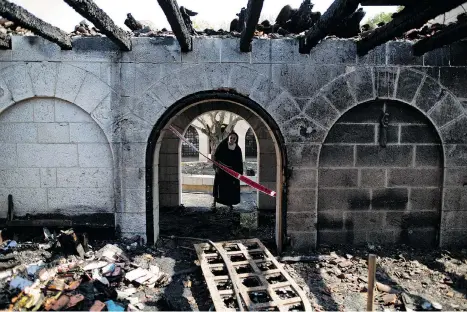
column 300, row 96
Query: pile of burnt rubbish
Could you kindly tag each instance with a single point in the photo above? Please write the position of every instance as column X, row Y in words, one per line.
column 65, row 273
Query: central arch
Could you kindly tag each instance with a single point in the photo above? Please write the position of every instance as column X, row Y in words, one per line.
column 180, row 115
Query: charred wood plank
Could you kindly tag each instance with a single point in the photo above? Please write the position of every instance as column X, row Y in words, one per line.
column 5, row 41
column 23, row 18
column 350, row 27
column 407, row 19
column 89, row 10
column 448, row 35
column 132, row 23
column 338, row 11
column 253, row 11
column 175, row 19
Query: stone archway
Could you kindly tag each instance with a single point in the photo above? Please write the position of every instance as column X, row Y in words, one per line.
column 380, row 184
column 165, row 175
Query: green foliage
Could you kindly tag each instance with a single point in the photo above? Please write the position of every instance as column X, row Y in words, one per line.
column 385, row 17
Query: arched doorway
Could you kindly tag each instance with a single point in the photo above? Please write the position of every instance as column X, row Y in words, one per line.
column 380, row 180
column 163, row 172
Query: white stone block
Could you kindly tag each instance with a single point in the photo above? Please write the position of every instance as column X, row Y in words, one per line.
column 134, row 200
column 48, row 177
column 47, row 155
column 102, row 114
column 18, row 133
column 85, row 177
column 33, row 48
column 18, row 81
column 91, row 93
column 86, row 133
column 95, row 155
column 6, row 98
column 134, row 155
column 44, row 110
column 128, row 79
column 68, row 112
column 81, row 200
column 69, row 82
column 53, row 133
column 21, row 112
column 133, row 178
column 26, row 200
column 8, row 158
column 19, row 177
column 131, row 222
column 44, row 78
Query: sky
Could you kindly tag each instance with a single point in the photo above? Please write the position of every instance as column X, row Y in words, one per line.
column 215, row 13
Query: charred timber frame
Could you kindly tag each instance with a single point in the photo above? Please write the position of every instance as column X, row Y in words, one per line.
column 334, row 15
column 23, row 18
column 407, row 19
column 89, row 10
column 448, row 35
column 253, row 12
column 174, row 17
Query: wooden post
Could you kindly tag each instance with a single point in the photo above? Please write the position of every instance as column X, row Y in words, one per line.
column 371, row 282
column 175, row 19
column 253, row 12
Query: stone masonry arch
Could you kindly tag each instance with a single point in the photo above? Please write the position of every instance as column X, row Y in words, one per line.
column 425, row 94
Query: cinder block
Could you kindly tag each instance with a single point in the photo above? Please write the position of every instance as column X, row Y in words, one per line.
column 8, row 156
column 453, row 238
column 377, row 56
column 345, row 133
column 301, row 221
column 336, row 156
column 19, row 177
column 6, row 98
column 368, row 220
column 69, row 82
column 344, row 199
column 419, row 134
column 299, row 200
column 44, row 110
column 414, row 177
column 418, row 237
column 43, row 77
column 53, row 133
column 372, row 178
column 85, row 177
column 68, row 112
column 86, row 133
column 81, row 200
column 338, row 178
column 47, row 155
column 230, row 51
column 302, row 155
column 428, row 156
column 302, row 178
column 391, row 156
column 330, row 220
column 335, row 237
column 242, row 79
column 18, row 133
column 454, row 220
column 411, row 220
column 48, row 177
column 390, row 199
column 154, row 50
column 95, row 155
column 425, row 199
column 302, row 241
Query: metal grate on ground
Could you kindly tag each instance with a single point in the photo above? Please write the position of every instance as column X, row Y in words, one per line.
column 262, row 283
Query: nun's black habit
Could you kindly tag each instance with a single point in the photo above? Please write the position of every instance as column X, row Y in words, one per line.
column 226, row 190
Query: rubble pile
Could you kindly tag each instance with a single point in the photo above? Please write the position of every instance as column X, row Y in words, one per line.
column 64, row 273
column 83, row 30
column 407, row 279
column 9, row 28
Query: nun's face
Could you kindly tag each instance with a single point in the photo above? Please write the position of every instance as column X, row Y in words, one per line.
column 232, row 139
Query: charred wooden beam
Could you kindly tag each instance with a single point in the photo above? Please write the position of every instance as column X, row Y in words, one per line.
column 448, row 35
column 350, row 27
column 407, row 19
column 5, row 41
column 23, row 18
column 175, row 19
column 132, row 23
column 338, row 11
column 253, row 11
column 89, row 10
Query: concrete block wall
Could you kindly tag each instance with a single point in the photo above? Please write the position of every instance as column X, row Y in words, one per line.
column 370, row 193
column 126, row 93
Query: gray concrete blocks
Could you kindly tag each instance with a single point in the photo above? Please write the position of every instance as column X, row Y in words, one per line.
column 154, row 50
column 338, row 93
column 44, row 110
column 302, row 155
column 53, row 133
column 302, row 129
column 430, row 94
column 392, row 155
column 75, row 201
column 205, row 50
column 361, row 83
column 321, row 111
column 230, row 52
column 47, row 155
column 91, row 93
column 408, row 83
column 43, row 77
column 18, row 81
column 448, row 109
column 91, row 154
column 69, row 82
column 283, row 108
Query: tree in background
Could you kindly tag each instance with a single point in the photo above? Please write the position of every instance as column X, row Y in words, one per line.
column 217, row 125
column 383, row 17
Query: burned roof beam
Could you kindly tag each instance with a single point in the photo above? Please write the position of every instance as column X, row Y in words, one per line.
column 175, row 19
column 89, row 10
column 407, row 19
column 23, row 18
column 448, row 35
column 253, row 11
column 334, row 15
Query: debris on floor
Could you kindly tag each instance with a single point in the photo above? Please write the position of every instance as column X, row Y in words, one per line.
column 245, row 275
column 60, row 275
